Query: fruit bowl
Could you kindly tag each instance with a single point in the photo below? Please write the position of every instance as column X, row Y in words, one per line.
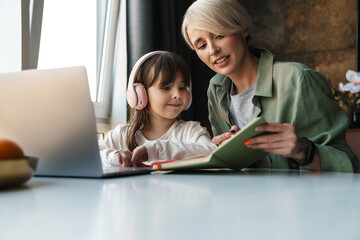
column 16, row 171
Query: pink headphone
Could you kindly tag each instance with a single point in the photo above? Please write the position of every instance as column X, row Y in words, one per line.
column 136, row 94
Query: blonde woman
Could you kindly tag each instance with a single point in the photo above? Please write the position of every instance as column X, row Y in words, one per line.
column 307, row 126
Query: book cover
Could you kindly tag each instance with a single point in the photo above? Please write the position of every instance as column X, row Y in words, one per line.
column 232, row 154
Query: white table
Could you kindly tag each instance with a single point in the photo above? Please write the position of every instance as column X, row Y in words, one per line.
column 213, row 205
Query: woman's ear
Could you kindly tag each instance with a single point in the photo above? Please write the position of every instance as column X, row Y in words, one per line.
column 246, row 33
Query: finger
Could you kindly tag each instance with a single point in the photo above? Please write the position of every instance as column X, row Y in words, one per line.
column 275, row 127
column 278, row 151
column 126, row 158
column 220, row 138
column 134, row 160
column 128, row 155
column 277, row 132
column 127, row 162
column 118, row 158
column 138, row 161
column 139, row 156
column 273, row 145
column 284, row 148
column 135, row 156
column 141, row 164
column 285, row 137
column 234, row 129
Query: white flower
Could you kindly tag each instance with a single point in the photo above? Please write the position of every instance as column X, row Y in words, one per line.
column 353, row 77
column 352, row 88
column 341, row 87
column 354, row 82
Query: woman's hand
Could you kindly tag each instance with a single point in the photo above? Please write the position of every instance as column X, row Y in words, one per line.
column 219, row 139
column 124, row 157
column 139, row 156
column 283, row 141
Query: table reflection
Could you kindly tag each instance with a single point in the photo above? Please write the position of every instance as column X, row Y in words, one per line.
column 282, row 202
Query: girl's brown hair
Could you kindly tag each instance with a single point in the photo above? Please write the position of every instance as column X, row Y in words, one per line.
column 166, row 65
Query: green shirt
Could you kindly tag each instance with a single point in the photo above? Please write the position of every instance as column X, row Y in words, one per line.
column 290, row 93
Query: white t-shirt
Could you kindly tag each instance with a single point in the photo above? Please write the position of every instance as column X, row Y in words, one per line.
column 183, row 139
column 241, row 107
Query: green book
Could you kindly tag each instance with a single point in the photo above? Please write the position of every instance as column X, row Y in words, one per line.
column 232, row 154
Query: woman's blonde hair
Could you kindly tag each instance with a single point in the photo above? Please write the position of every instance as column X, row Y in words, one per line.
column 166, row 65
column 223, row 17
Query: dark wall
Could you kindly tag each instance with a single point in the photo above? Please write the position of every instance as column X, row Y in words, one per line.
column 318, row 33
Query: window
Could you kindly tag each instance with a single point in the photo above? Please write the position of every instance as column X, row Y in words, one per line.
column 10, row 36
column 68, row 37
column 60, row 33
column 81, row 32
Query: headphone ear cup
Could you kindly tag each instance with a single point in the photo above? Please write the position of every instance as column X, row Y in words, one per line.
column 141, row 94
column 190, row 96
column 131, row 97
column 189, row 102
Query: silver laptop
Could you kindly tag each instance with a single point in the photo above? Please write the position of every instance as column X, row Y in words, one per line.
column 49, row 113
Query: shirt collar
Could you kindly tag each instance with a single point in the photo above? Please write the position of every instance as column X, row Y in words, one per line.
column 265, row 74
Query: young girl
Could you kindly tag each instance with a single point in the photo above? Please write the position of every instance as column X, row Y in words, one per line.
column 159, row 90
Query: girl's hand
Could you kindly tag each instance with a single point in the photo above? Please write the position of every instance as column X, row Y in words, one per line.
column 283, row 141
column 219, row 139
column 124, row 158
column 139, row 156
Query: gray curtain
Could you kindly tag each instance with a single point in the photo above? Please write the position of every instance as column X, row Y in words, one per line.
column 155, row 25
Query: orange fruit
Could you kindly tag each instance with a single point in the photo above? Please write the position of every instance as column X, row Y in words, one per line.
column 10, row 150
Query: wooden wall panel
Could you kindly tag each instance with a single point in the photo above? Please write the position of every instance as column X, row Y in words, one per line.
column 318, row 33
